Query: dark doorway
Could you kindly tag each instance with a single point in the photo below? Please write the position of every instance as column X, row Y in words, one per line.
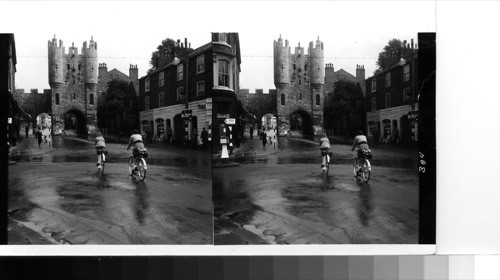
column 179, row 129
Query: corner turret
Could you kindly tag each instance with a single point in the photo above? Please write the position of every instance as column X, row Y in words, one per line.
column 56, row 61
column 281, row 63
column 90, row 62
column 316, row 58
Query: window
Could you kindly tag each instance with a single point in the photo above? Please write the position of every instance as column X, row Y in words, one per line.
column 374, row 85
column 74, row 95
column 223, row 73
column 406, row 73
column 387, row 100
column 387, row 79
column 200, row 89
column 161, row 99
column 146, row 85
column 406, row 94
column 374, row 103
column 146, row 103
column 180, row 93
column 200, row 64
column 180, row 72
column 68, row 67
column 300, row 81
column 162, row 79
column 57, row 98
column 79, row 67
column 91, row 99
column 300, row 95
column 294, row 67
column 318, row 99
column 305, row 67
column 282, row 99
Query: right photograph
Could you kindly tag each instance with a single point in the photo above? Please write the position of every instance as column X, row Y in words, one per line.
column 340, row 150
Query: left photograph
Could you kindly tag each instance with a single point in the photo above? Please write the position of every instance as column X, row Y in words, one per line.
column 107, row 152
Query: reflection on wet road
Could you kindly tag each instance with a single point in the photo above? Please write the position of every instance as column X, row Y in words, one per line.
column 58, row 193
column 282, row 198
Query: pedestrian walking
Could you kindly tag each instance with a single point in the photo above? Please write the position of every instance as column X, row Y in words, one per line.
column 26, row 130
column 204, row 138
column 263, row 138
column 251, row 131
column 39, row 136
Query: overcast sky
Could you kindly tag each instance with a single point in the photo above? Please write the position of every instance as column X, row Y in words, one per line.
column 127, row 32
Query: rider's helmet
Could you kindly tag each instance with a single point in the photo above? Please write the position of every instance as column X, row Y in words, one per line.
column 360, row 132
column 98, row 134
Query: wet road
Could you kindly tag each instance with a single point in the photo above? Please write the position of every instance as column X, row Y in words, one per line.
column 58, row 193
column 279, row 196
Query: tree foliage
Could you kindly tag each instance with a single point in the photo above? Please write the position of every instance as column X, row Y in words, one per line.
column 392, row 53
column 165, row 53
column 339, row 102
column 112, row 103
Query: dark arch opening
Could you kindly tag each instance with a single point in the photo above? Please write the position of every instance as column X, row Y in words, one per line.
column 301, row 121
column 75, row 122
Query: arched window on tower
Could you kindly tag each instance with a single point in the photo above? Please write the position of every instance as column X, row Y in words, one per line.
column 91, row 99
column 317, row 99
column 57, row 98
column 282, row 99
column 74, row 95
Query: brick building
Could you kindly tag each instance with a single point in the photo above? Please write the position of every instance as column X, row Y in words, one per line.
column 193, row 92
column 299, row 80
column 391, row 103
column 15, row 114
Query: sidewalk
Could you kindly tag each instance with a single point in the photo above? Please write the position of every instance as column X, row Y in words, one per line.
column 249, row 147
column 18, row 234
column 28, row 146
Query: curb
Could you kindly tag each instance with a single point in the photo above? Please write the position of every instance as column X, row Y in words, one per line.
column 221, row 165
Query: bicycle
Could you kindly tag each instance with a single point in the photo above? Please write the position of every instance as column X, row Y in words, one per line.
column 326, row 156
column 102, row 153
column 137, row 163
column 362, row 165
